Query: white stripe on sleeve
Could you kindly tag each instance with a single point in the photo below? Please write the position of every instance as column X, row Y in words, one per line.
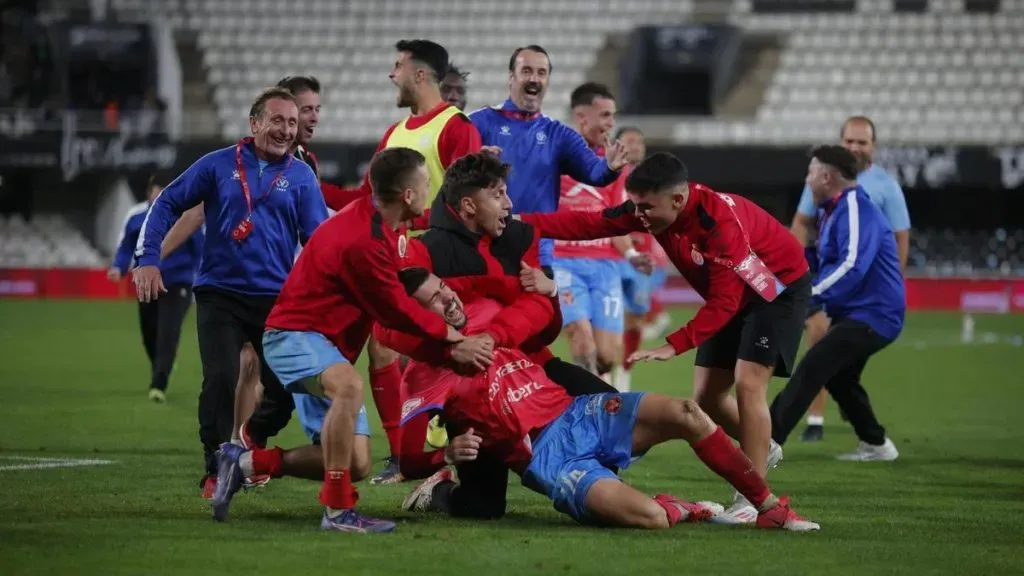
column 851, row 249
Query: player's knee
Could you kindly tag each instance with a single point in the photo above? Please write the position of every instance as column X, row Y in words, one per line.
column 693, row 421
column 753, row 381
column 341, row 384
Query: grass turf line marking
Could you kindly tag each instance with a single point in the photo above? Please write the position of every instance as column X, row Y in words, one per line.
column 45, row 463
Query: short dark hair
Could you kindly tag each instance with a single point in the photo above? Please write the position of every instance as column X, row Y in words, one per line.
column 432, row 54
column 586, row 93
column 864, row 119
column 299, row 84
column 658, row 172
column 390, row 170
column 625, row 129
column 453, row 69
column 531, row 48
column 413, row 278
column 472, row 173
column 839, row 158
column 266, row 95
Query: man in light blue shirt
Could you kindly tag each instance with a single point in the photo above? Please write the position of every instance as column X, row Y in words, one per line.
column 858, row 136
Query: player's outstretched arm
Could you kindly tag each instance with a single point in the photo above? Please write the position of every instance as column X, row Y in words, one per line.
column 610, row 223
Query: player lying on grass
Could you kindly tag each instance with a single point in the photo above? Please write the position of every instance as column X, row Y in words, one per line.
column 562, row 447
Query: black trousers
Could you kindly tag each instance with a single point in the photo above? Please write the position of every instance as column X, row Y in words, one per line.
column 226, row 321
column 160, row 321
column 483, row 483
column 836, row 362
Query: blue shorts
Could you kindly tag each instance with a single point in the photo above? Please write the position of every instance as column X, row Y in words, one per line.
column 637, row 288
column 594, row 433
column 590, row 289
column 298, row 359
column 312, row 410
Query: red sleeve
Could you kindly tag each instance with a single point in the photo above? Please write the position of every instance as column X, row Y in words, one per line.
column 529, row 315
column 458, row 138
column 414, row 462
column 372, row 271
column 725, row 290
column 586, row 225
column 338, row 197
column 550, row 332
column 418, row 348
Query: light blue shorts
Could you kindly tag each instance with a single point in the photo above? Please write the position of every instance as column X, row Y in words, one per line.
column 590, row 289
column 576, row 450
column 298, row 359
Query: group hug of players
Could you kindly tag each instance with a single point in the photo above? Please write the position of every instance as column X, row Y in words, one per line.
column 474, row 301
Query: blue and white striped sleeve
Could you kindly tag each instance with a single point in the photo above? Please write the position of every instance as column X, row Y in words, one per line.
column 857, row 244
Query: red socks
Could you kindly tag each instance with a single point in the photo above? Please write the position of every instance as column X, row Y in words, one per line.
column 656, row 309
column 725, row 459
column 337, row 492
column 386, row 385
column 267, row 461
column 630, row 344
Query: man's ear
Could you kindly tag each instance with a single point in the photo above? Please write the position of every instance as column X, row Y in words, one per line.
column 467, row 205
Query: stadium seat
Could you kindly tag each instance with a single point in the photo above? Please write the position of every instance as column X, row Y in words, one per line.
column 47, row 241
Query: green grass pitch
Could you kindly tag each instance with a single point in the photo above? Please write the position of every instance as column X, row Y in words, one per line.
column 73, row 380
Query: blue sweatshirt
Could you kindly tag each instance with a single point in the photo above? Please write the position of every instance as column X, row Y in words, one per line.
column 540, row 150
column 281, row 218
column 178, row 269
column 859, row 274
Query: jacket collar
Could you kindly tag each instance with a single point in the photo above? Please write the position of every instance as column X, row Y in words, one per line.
column 508, row 108
column 443, row 217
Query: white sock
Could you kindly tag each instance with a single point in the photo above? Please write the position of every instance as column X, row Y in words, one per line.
column 245, row 463
column 813, row 420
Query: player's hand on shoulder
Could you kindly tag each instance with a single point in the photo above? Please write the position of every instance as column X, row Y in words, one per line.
column 661, row 353
column 463, row 448
column 535, row 280
column 476, row 351
column 149, row 284
column 495, row 150
column 113, row 274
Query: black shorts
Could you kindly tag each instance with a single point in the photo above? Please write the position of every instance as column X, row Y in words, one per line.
column 813, row 309
column 766, row 333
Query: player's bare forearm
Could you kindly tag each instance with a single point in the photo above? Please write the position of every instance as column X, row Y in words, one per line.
column 182, row 230
column 903, row 247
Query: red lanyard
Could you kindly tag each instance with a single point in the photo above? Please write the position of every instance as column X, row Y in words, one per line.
column 240, row 167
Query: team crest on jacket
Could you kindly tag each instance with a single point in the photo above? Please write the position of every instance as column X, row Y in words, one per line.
column 697, row 257
column 403, row 245
column 613, row 404
column 567, row 298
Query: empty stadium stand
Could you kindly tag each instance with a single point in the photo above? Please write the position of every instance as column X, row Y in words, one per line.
column 938, row 72
column 48, row 241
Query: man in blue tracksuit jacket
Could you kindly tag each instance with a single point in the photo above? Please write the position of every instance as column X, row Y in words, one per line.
column 859, row 282
column 259, row 202
column 159, row 320
column 538, row 148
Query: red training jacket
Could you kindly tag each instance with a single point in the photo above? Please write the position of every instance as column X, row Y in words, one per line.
column 711, row 224
column 345, row 279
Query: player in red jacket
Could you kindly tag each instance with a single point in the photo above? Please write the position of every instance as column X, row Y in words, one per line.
column 751, row 273
column 344, row 280
column 563, row 447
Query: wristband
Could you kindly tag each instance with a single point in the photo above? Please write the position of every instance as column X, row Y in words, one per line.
column 631, row 253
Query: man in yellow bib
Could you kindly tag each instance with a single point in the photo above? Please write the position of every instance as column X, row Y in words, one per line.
column 436, row 129
column 443, row 134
